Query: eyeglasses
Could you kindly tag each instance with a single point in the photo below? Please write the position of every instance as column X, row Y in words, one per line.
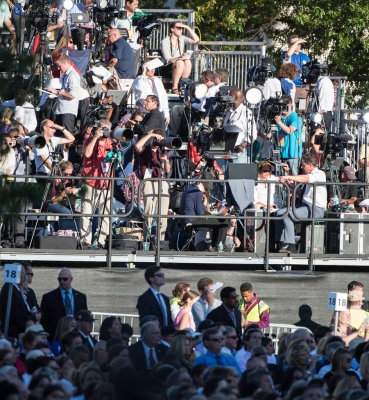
column 29, row 273
column 216, row 339
column 178, row 27
column 63, row 279
column 232, row 337
column 160, row 275
column 135, row 120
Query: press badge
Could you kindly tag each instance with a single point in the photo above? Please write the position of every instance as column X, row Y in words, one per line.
column 105, row 167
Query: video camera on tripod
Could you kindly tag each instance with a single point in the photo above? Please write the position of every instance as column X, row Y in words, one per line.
column 218, row 106
column 312, row 71
column 145, row 23
column 40, row 17
column 332, row 143
column 259, row 74
column 273, row 107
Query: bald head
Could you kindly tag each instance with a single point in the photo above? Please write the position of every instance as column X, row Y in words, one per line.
column 65, row 279
column 114, row 35
column 237, row 97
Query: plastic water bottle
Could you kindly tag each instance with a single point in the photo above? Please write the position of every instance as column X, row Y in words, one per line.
column 220, row 247
column 335, row 200
column 48, row 230
column 95, row 243
column 78, row 204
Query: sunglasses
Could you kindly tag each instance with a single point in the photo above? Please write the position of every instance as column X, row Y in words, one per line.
column 29, row 273
column 178, row 27
column 160, row 275
column 266, row 170
column 63, row 279
column 217, row 339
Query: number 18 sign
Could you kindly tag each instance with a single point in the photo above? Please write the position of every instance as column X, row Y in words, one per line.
column 337, row 301
column 12, row 273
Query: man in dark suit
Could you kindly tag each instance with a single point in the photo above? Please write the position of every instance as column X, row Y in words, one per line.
column 29, row 293
column 149, row 351
column 153, row 119
column 228, row 311
column 20, row 317
column 152, row 302
column 61, row 302
column 85, row 322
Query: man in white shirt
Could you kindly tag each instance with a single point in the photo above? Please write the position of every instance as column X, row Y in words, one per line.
column 42, row 156
column 29, row 120
column 242, row 117
column 325, row 91
column 285, row 229
column 148, row 84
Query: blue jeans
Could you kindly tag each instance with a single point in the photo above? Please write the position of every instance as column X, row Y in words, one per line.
column 285, row 228
column 58, row 208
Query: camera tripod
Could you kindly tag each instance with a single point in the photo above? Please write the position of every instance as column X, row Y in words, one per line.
column 55, row 171
column 43, row 66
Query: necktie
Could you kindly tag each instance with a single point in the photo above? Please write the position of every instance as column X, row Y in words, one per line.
column 219, row 359
column 68, row 304
column 163, row 310
column 151, row 359
column 233, row 318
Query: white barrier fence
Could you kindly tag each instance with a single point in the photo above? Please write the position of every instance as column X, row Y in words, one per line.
column 273, row 331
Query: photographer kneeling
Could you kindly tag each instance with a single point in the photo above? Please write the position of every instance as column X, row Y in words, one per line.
column 153, row 162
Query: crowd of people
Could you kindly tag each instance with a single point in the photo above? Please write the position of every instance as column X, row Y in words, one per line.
column 193, row 345
column 77, row 109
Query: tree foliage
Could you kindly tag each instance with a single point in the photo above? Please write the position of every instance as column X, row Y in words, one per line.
column 337, row 31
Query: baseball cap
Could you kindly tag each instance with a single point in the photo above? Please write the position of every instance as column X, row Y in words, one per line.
column 355, row 295
column 193, row 333
column 349, row 172
column 85, row 315
column 38, row 329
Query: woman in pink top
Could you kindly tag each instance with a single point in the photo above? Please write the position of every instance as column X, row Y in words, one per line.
column 185, row 319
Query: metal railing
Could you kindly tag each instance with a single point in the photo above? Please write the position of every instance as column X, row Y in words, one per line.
column 236, row 62
column 273, row 331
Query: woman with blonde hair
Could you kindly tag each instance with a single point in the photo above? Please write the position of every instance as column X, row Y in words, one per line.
column 344, row 329
column 65, row 325
column 261, row 190
column 184, row 318
column 347, row 383
column 6, row 119
column 181, row 346
column 299, row 356
column 178, row 292
column 341, row 363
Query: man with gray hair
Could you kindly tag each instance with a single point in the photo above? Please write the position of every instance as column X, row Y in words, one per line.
column 96, row 192
column 20, row 317
column 147, row 352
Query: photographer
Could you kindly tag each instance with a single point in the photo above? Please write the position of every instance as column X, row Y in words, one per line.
column 96, row 192
column 21, row 153
column 43, row 156
column 122, row 56
column 62, row 189
column 289, row 135
column 147, row 84
column 152, row 120
column 67, row 103
column 153, row 162
column 242, row 117
column 348, row 194
column 7, row 157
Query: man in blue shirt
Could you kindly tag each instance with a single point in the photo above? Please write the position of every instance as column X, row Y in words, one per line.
column 289, row 126
column 296, row 56
column 122, row 56
column 213, row 340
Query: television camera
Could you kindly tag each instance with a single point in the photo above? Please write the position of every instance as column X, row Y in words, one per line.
column 312, row 71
